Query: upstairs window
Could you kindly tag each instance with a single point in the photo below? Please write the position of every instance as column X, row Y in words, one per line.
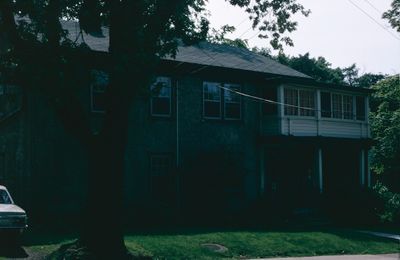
column 360, row 108
column 212, row 100
column 299, row 102
column 337, row 110
column 232, row 102
column 291, row 102
column 161, row 97
column 326, row 104
column 99, row 84
column 307, row 102
column 347, row 107
column 341, row 106
column 221, row 103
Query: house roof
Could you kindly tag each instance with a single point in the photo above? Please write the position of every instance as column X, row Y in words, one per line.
column 204, row 53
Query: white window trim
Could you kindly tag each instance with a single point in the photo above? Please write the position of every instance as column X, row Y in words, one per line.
column 170, row 98
column 208, row 100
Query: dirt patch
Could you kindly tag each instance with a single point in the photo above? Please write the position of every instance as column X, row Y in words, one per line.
column 217, row 248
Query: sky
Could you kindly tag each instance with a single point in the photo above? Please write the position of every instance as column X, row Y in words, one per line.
column 336, row 29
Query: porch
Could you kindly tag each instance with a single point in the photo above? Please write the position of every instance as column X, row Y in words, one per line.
column 296, row 171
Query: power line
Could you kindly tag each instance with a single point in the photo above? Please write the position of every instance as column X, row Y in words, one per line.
column 373, row 19
column 373, row 6
column 266, row 100
column 245, row 32
column 245, row 19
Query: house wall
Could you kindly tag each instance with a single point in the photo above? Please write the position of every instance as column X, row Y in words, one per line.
column 203, row 147
column 212, row 161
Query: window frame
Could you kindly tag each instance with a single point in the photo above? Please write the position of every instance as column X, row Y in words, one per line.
column 220, row 117
column 169, row 83
column 229, row 102
column 330, row 105
column 356, row 117
column 347, row 113
column 297, row 109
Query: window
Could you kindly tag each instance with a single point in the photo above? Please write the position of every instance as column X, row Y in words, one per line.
column 212, row 100
column 295, row 98
column 269, row 108
column 221, row 103
column 161, row 97
column 337, row 106
column 98, row 88
column 347, row 107
column 326, row 109
column 360, row 108
column 291, row 102
column 307, row 102
column 232, row 102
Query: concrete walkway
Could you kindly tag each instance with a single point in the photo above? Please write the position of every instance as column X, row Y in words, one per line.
column 343, row 257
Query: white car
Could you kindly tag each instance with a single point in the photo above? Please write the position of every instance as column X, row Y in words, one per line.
column 12, row 218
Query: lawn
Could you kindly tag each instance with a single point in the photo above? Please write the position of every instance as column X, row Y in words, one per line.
column 259, row 244
column 240, row 244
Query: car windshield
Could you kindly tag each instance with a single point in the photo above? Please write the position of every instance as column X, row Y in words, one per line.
column 4, row 198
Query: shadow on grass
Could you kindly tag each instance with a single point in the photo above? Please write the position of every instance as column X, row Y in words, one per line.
column 12, row 250
column 41, row 237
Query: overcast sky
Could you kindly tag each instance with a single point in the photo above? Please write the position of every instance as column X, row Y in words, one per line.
column 335, row 29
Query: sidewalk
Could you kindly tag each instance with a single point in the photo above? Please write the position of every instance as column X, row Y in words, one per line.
column 342, row 257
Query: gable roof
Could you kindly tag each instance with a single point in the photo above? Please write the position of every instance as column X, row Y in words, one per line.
column 204, row 53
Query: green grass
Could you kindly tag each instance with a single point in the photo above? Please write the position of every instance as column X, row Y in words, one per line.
column 249, row 244
column 259, row 244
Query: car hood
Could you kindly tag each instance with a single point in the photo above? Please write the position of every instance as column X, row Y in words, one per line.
column 10, row 209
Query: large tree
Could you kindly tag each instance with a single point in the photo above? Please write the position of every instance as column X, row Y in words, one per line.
column 385, row 127
column 393, row 15
column 37, row 53
column 318, row 68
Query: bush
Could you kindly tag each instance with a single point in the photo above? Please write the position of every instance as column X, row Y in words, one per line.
column 389, row 211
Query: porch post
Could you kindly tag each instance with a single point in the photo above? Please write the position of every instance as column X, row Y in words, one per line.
column 319, row 169
column 362, row 167
column 368, row 171
column 262, row 170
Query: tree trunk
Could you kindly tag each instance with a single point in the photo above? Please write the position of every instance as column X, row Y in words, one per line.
column 102, row 231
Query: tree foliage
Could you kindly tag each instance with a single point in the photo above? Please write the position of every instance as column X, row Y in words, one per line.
column 318, row 68
column 385, row 127
column 393, row 15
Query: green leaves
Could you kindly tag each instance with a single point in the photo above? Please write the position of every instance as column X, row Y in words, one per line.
column 385, row 127
column 393, row 15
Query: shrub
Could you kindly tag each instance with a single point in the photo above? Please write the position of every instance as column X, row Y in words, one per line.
column 389, row 212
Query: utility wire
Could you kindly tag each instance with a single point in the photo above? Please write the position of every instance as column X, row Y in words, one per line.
column 373, row 19
column 373, row 6
column 266, row 100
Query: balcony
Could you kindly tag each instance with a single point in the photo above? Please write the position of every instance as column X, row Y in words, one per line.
column 312, row 126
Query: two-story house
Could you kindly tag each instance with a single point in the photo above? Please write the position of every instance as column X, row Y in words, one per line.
column 222, row 126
